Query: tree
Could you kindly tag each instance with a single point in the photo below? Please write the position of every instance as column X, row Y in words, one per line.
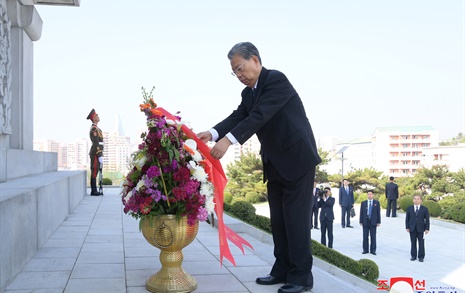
column 460, row 138
column 245, row 178
column 321, row 175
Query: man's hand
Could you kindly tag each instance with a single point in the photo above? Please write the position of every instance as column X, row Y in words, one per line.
column 408, row 230
column 220, row 148
column 205, row 136
column 426, row 231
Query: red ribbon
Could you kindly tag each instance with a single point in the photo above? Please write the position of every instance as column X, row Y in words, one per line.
column 218, row 179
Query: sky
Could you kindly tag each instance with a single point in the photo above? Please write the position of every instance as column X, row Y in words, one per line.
column 357, row 65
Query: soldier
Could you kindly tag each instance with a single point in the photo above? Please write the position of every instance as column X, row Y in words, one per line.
column 96, row 151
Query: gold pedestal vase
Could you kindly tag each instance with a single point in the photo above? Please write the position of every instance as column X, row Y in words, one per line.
column 170, row 236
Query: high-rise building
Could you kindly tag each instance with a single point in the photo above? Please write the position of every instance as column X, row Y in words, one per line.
column 398, row 150
column 116, row 153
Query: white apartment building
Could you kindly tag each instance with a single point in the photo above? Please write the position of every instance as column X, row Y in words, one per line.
column 77, row 155
column 328, row 143
column 451, row 156
column 252, row 145
column 117, row 152
column 398, row 151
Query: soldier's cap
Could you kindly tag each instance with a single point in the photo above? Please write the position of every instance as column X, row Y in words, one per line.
column 91, row 115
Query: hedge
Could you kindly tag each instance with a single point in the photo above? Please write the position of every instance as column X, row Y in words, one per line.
column 405, row 201
column 107, row 181
column 456, row 212
column 364, row 268
column 434, row 208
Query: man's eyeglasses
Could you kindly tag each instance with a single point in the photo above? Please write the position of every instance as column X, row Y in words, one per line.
column 239, row 69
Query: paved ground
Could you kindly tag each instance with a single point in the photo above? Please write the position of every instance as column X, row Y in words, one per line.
column 100, row 249
column 444, row 263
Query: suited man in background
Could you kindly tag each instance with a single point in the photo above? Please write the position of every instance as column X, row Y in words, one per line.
column 417, row 224
column 326, row 203
column 271, row 108
column 370, row 219
column 346, row 202
column 315, row 208
column 392, row 193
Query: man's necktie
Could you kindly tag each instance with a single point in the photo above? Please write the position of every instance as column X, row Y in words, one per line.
column 369, row 209
column 416, row 212
column 347, row 190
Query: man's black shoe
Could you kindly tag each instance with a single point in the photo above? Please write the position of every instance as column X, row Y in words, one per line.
column 269, row 280
column 365, row 252
column 349, row 226
column 316, row 228
column 421, row 260
column 413, row 258
column 374, row 253
column 95, row 193
column 289, row 288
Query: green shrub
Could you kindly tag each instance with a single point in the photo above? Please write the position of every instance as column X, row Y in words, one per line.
column 369, row 269
column 336, row 258
column 357, row 197
column 448, row 201
column 107, row 181
column 262, row 223
column 456, row 212
column 382, row 201
column 226, row 207
column 434, row 208
column 244, row 210
column 227, row 197
column 405, row 201
column 361, row 197
column 253, row 197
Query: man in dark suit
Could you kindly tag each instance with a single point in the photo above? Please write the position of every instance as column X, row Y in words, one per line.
column 271, row 108
column 417, row 224
column 96, row 151
column 326, row 217
column 346, row 202
column 392, row 193
column 315, row 208
column 370, row 219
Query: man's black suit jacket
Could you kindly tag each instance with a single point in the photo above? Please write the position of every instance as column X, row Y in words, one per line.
column 419, row 222
column 375, row 213
column 326, row 212
column 392, row 190
column 276, row 114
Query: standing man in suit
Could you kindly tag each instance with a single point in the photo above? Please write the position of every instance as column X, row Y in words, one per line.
column 315, row 207
column 370, row 219
column 346, row 202
column 417, row 224
column 271, row 108
column 96, row 151
column 392, row 193
column 326, row 217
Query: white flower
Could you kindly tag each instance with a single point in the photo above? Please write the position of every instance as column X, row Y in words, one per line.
column 170, row 122
column 191, row 144
column 197, row 172
column 129, row 195
column 140, row 184
column 197, row 156
column 210, row 204
column 140, row 161
column 206, row 189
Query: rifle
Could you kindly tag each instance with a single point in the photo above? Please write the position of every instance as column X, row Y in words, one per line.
column 100, row 188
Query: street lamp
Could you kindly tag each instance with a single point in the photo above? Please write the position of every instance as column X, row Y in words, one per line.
column 341, row 151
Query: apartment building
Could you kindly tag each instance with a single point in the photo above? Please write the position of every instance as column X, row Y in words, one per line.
column 398, row 151
column 451, row 156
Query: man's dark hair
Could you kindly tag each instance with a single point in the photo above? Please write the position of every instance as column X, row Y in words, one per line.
column 391, row 178
column 327, row 188
column 371, row 190
column 246, row 50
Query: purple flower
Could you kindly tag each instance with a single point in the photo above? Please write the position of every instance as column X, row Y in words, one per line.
column 153, row 172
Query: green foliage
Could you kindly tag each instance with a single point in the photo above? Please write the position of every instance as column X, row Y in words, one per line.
column 405, row 201
column 366, row 269
column 254, row 197
column 262, row 223
column 459, row 178
column 456, row 212
column 321, row 175
column 227, row 197
column 243, row 210
column 448, row 201
column 460, row 138
column 433, row 207
column 244, row 176
column 107, row 181
column 361, row 197
column 369, row 269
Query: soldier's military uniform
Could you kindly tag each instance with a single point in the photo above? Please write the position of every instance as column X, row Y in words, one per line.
column 96, row 152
